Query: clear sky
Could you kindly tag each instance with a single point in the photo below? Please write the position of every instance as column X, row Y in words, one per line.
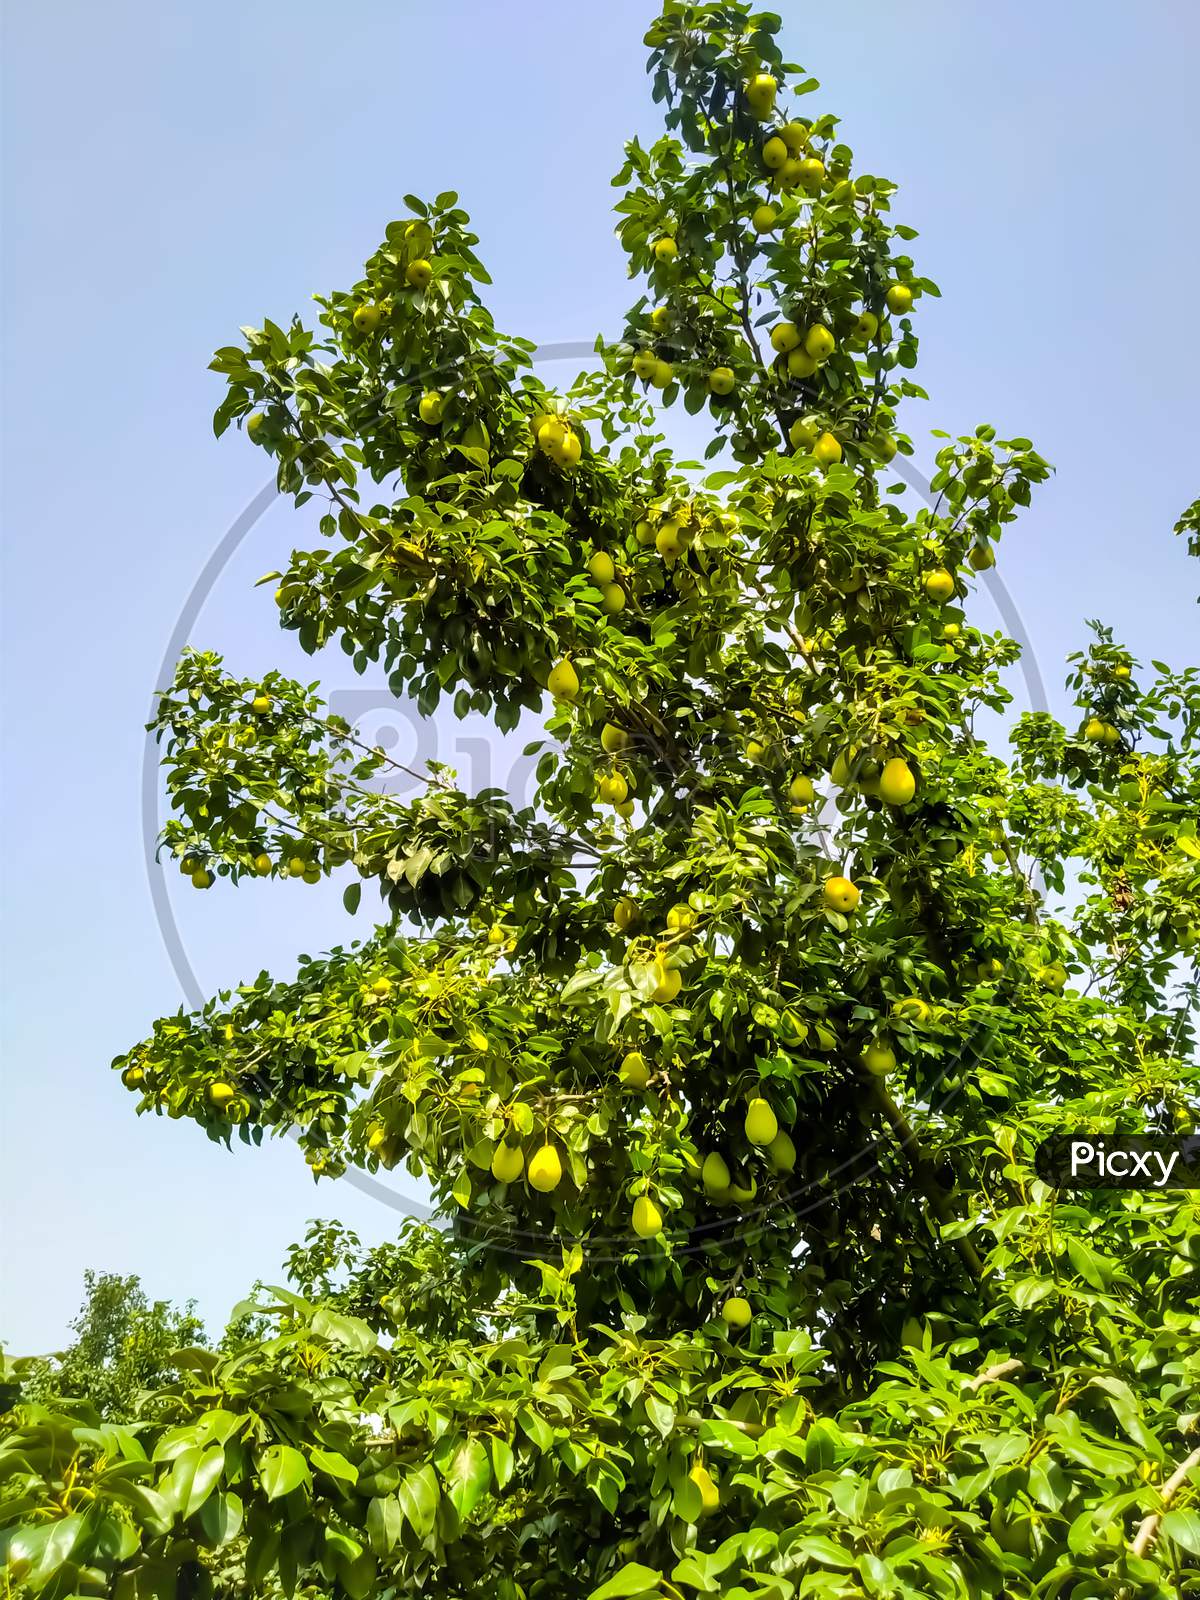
column 174, row 171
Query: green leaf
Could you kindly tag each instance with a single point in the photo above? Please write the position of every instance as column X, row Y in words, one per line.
column 418, row 1495
column 194, row 1476
column 1183, row 1529
column 333, row 1464
column 352, row 1332
column 282, row 1470
column 469, row 1477
column 221, row 1518
column 632, row 1580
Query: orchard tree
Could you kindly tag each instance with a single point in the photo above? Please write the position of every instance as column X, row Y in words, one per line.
column 726, row 1058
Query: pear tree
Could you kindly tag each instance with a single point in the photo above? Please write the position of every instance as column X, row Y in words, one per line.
column 727, row 1053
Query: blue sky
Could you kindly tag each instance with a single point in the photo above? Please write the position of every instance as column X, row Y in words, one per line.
column 172, row 172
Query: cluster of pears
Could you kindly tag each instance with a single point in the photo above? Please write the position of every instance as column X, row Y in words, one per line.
column 761, row 1128
column 603, row 573
column 557, row 439
column 894, row 782
column 788, row 166
column 1097, row 731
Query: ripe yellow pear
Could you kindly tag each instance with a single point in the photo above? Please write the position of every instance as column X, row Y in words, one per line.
column 644, row 365
column 721, row 380
column 896, row 782
column 202, row 878
column 801, row 791
column 600, row 566
column 508, row 1162
column 430, row 407
column 827, row 450
column 867, row 326
column 220, row 1094
column 803, row 433
column 742, row 1194
column 761, row 1125
column 262, row 864
column 795, row 136
column 297, row 866
column 613, row 597
column 381, row 986
column 643, row 531
column 418, row 274
column 563, row 681
column 660, row 318
column 625, row 913
column 1094, row 730
column 545, row 1169
column 774, row 153
column 764, row 218
column 812, row 172
column 133, row 1076
column 781, row 1152
column 613, row 740
column 367, row 318
column 736, row 1312
column 635, row 1074
column 663, row 374
column 667, row 983
column 612, row 789
column 879, row 1060
column 710, row 1495
column 819, row 342
column 981, row 556
column 800, row 364
column 714, row 1175
column 624, row 809
column 899, row 299
column 261, row 704
column 841, row 895
column 668, row 541
column 311, row 874
column 647, row 1218
column 951, row 631
column 377, row 1138
column 785, row 336
column 665, row 249
column 568, row 451
column 550, row 433
column 681, row 919
column 939, row 585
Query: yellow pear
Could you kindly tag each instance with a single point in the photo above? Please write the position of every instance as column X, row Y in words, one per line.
column 613, row 739
column 939, row 585
column 710, row 1496
column 625, row 913
column 430, row 408
column 819, row 342
column 563, row 681
column 879, row 1060
column 827, row 450
column 736, row 1312
column 647, row 1218
column 801, row 791
column 721, row 380
column 800, row 364
column 202, row 878
column 761, row 1126
column 795, row 136
column 612, row 789
column 781, row 1152
column 220, row 1094
column 261, row 704
column 600, row 566
column 262, row 864
column 635, row 1074
column 896, row 782
column 668, row 982
column 714, row 1175
column 681, row 919
column 867, row 326
column 418, row 274
column 508, row 1162
column 367, row 318
column 644, row 365
column 764, row 218
column 899, row 298
column 613, row 597
column 665, row 249
column 981, row 556
column 660, row 318
column 803, row 433
column 545, row 1169
column 668, row 541
column 774, row 153
column 841, row 895
column 812, row 173
column 785, row 336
